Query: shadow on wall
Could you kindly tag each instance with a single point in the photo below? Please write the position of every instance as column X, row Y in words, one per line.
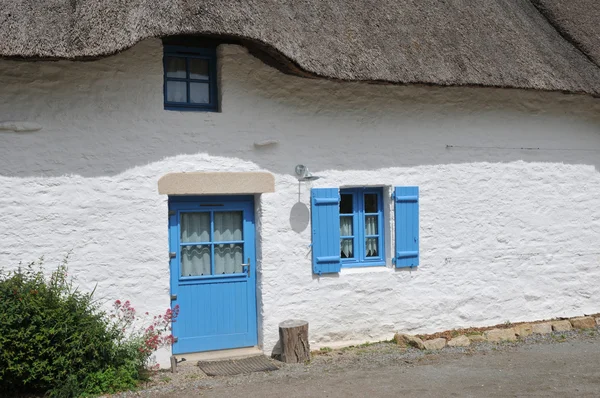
column 104, row 117
column 299, row 217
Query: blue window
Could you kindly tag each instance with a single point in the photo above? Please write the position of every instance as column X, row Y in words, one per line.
column 190, row 78
column 348, row 228
column 361, row 227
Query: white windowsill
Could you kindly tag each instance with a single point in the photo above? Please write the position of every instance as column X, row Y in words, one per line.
column 367, row 270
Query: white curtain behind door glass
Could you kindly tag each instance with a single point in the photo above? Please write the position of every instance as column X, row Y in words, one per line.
column 346, row 230
column 195, row 260
column 371, row 228
column 228, row 227
column 195, row 227
column 229, row 258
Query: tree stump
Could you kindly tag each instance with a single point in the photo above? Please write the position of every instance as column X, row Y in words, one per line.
column 293, row 335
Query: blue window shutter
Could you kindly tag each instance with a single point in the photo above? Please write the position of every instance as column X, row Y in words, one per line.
column 325, row 214
column 406, row 208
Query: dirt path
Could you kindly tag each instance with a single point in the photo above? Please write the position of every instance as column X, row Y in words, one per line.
column 564, row 369
column 554, row 365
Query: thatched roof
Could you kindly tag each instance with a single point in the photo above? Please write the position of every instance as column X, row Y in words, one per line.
column 535, row 44
column 578, row 21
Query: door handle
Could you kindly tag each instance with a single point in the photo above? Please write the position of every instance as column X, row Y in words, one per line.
column 248, row 267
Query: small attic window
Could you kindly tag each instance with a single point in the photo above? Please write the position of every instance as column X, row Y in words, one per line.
column 190, row 79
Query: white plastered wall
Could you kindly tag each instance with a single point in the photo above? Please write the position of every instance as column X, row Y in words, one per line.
column 506, row 233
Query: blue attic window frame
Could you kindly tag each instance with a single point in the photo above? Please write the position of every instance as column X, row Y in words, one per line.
column 366, row 204
column 186, row 57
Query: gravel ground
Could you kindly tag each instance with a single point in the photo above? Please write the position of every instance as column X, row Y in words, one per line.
column 541, row 365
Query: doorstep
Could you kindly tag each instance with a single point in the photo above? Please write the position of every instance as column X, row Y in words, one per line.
column 219, row 355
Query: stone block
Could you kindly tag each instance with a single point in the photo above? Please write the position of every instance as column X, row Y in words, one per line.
column 460, row 341
column 496, row 335
column 476, row 338
column 406, row 340
column 542, row 328
column 523, row 330
column 583, row 322
column 435, row 344
column 598, row 321
column 561, row 326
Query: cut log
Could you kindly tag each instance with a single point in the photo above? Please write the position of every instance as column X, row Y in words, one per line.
column 293, row 335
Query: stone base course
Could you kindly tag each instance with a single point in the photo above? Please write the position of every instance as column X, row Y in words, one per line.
column 523, row 330
column 584, row 322
column 475, row 338
column 494, row 334
column 435, row 344
column 542, row 328
column 497, row 335
column 406, row 340
column 561, row 326
column 460, row 341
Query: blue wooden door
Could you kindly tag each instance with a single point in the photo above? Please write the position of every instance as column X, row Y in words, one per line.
column 213, row 273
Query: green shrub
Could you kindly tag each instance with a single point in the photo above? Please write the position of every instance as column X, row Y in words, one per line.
column 55, row 339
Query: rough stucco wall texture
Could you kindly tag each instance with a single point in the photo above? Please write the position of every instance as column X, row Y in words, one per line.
column 506, row 233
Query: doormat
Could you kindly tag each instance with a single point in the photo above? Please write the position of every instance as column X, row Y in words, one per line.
column 230, row 367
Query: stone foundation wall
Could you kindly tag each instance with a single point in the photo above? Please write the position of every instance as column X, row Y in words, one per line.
column 495, row 334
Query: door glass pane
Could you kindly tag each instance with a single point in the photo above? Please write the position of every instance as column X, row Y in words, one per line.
column 175, row 67
column 346, row 225
column 346, row 206
column 229, row 258
column 372, row 246
column 198, row 68
column 347, row 248
column 371, row 227
column 199, row 93
column 371, row 203
column 176, row 91
column 195, row 227
column 228, row 226
column 195, row 260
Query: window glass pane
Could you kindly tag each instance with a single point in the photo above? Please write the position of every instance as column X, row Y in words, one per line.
column 371, row 227
column 372, row 247
column 176, row 91
column 195, row 260
column 371, row 203
column 347, row 248
column 228, row 226
column 346, row 225
column 229, row 258
column 346, row 206
column 199, row 93
column 195, row 227
column 198, row 68
column 175, row 67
